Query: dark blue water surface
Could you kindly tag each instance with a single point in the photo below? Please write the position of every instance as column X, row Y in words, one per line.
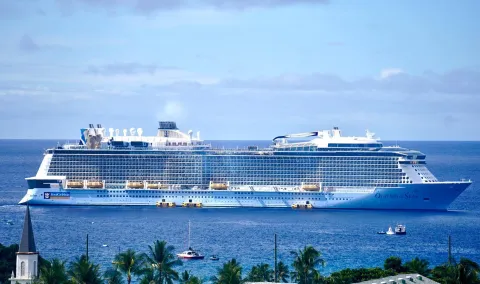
column 346, row 238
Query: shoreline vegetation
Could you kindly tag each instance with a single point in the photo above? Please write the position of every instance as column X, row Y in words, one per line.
column 159, row 265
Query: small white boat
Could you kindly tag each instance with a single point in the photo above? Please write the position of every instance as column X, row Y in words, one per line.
column 104, row 246
column 390, row 231
column 190, row 253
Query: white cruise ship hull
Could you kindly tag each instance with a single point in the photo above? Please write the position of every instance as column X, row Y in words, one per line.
column 430, row 196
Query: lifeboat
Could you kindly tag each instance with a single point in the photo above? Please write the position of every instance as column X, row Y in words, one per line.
column 302, row 206
column 218, row 186
column 311, row 187
column 135, row 184
column 95, row 184
column 156, row 186
column 165, row 204
column 75, row 184
column 192, row 204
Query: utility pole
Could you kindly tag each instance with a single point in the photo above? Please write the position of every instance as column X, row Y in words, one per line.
column 275, row 272
column 87, row 247
column 449, row 250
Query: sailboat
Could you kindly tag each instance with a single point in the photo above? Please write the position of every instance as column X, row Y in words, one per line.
column 190, row 253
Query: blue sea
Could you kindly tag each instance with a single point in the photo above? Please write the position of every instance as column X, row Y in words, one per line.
column 346, row 238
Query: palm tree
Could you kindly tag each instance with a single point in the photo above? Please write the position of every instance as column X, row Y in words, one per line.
column 148, row 276
column 187, row 278
column 162, row 258
column 305, row 263
column 230, row 273
column 113, row 276
column 418, row 265
column 83, row 271
column 128, row 263
column 468, row 271
column 282, row 272
column 465, row 272
column 260, row 273
column 53, row 272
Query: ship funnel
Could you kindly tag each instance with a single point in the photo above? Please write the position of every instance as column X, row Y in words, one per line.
column 132, row 131
column 124, row 132
column 99, row 126
column 198, row 135
column 117, row 132
column 190, row 132
column 140, row 131
column 110, row 130
column 336, row 132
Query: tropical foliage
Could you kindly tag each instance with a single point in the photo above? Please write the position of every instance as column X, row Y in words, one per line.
column 158, row 267
column 113, row 276
column 230, row 273
column 358, row 275
column 83, row 271
column 188, row 278
column 53, row 272
column 128, row 263
column 7, row 261
column 283, row 273
column 394, row 263
column 305, row 265
column 260, row 273
column 162, row 259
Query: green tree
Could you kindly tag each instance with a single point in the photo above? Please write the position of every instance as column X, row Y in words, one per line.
column 260, row 273
column 282, row 272
column 305, row 263
column 53, row 272
column 113, row 276
column 464, row 272
column 8, row 260
column 394, row 263
column 162, row 258
column 417, row 265
column 358, row 275
column 128, row 263
column 187, row 278
column 83, row 271
column 148, row 276
column 230, row 273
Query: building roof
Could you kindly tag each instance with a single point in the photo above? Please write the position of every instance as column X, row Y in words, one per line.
column 401, row 279
column 27, row 243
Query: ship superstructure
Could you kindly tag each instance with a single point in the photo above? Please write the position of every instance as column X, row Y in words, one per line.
column 179, row 169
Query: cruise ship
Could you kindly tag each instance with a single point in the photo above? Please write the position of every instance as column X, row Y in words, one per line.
column 313, row 170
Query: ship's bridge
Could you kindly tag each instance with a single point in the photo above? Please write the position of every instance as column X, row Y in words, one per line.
column 327, row 140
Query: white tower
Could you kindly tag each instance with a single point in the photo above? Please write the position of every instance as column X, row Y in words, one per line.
column 27, row 255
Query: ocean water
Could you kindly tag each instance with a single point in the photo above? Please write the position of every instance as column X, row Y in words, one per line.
column 346, row 238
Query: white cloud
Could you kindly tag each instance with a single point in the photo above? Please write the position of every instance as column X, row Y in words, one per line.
column 389, row 72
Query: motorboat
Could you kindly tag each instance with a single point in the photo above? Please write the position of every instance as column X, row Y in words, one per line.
column 400, row 230
column 390, row 231
column 382, row 232
column 190, row 253
column 214, row 257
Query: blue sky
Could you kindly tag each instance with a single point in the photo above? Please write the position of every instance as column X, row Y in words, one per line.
column 250, row 69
